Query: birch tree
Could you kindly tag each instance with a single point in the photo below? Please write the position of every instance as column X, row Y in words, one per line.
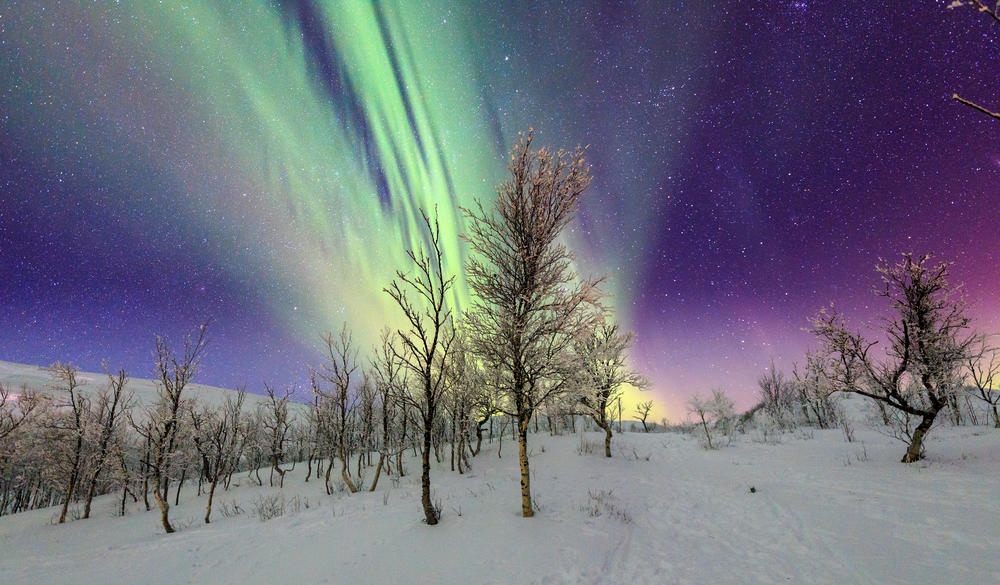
column 110, row 406
column 165, row 420
column 604, row 369
column 529, row 305
column 426, row 341
column 71, row 424
column 920, row 369
column 335, row 404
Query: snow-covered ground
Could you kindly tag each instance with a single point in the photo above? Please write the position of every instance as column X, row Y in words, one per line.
column 811, row 509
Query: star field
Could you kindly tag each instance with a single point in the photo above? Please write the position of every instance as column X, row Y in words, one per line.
column 263, row 164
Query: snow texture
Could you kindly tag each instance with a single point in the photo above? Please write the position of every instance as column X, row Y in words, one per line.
column 804, row 507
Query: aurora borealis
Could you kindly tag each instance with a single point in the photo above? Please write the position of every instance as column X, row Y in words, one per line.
column 263, row 164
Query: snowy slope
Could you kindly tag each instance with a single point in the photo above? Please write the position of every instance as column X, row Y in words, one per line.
column 144, row 390
column 812, row 509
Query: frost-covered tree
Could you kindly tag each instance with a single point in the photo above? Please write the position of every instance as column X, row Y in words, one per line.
column 15, row 409
column 604, row 373
column 984, row 372
column 920, row 370
column 814, row 392
column 712, row 412
column 777, row 396
column 165, row 421
column 110, row 406
column 529, row 305
column 218, row 437
column 277, row 424
column 332, row 387
column 70, row 426
column 389, row 379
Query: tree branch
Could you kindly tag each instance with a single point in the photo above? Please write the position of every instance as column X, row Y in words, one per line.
column 976, row 106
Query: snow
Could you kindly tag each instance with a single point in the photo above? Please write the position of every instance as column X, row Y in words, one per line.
column 144, row 391
column 809, row 508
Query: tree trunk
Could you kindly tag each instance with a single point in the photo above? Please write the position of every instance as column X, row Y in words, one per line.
column 180, row 484
column 430, row 514
column 527, row 510
column 91, row 491
column 915, row 451
column 164, row 505
column 70, row 486
column 996, row 417
column 345, row 472
column 378, row 471
column 607, row 440
column 211, row 496
column 708, row 434
column 329, row 469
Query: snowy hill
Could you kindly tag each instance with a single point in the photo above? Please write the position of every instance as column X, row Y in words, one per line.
column 144, row 390
column 810, row 508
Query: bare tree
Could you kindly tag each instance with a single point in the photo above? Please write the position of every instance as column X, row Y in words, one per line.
column 219, row 437
column 928, row 345
column 277, row 424
column 529, row 305
column 15, row 408
column 711, row 412
column 777, row 396
column 815, row 392
column 390, row 382
column 72, row 424
column 460, row 399
column 642, row 411
column 165, row 420
column 981, row 7
column 604, row 373
column 335, row 406
column 425, row 346
column 984, row 370
column 110, row 406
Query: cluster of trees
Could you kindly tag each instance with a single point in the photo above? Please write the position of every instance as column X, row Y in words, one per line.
column 536, row 336
column 924, row 361
column 537, row 343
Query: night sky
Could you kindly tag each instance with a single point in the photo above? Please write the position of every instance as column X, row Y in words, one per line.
column 263, row 164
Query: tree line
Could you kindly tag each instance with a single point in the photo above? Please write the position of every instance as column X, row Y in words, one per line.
column 923, row 363
column 537, row 343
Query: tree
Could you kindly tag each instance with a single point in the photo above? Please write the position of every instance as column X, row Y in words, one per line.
column 715, row 410
column 335, row 406
column 815, row 392
column 165, row 420
column 642, row 411
column 426, row 343
column 390, row 381
column 277, row 424
column 777, row 395
column 604, row 372
column 984, row 369
column 110, row 406
column 979, row 6
column 529, row 305
column 73, row 426
column 15, row 409
column 218, row 438
column 920, row 370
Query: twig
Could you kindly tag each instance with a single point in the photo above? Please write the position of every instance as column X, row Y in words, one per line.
column 976, row 106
